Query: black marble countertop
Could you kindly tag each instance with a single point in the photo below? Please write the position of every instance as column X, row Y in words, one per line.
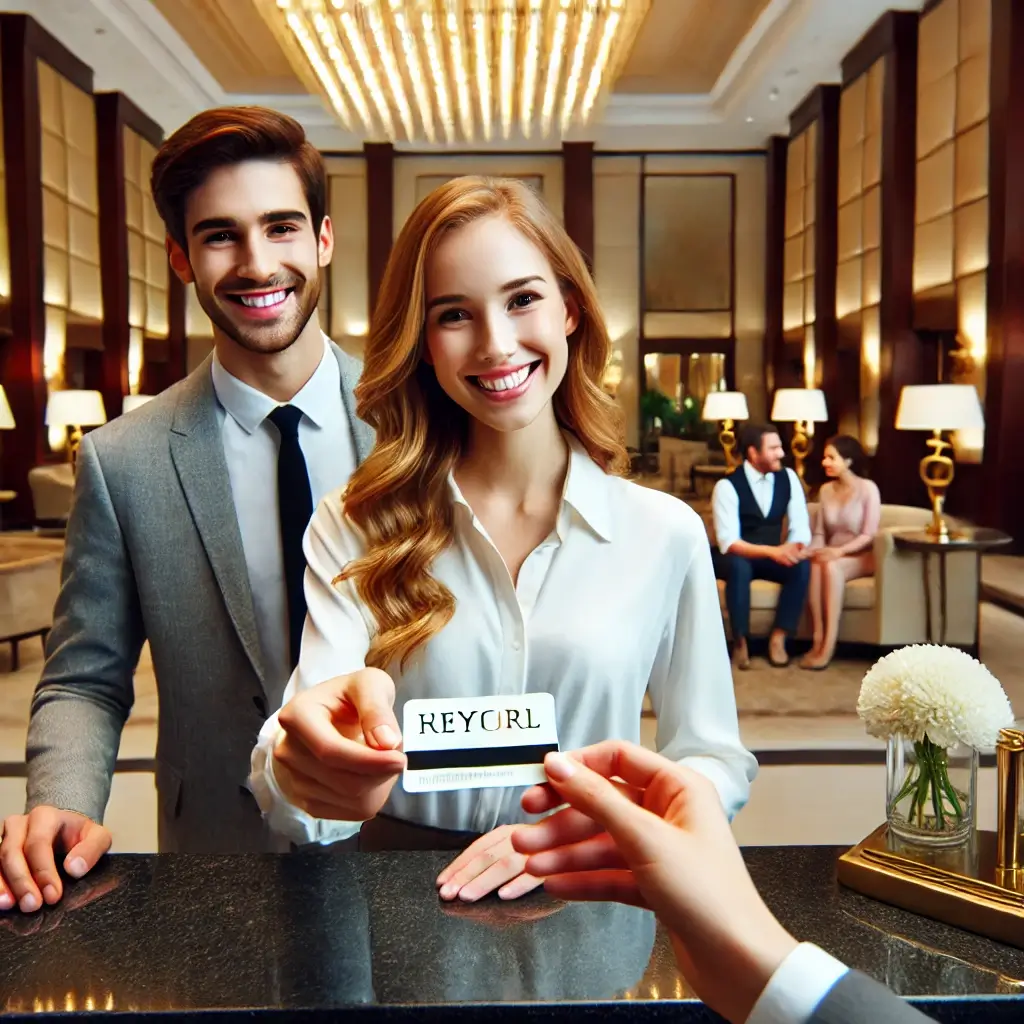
column 307, row 934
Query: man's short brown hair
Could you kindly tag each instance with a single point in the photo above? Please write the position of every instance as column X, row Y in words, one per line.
column 225, row 136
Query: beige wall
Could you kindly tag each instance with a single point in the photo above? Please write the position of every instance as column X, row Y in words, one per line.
column 617, row 269
column 409, row 168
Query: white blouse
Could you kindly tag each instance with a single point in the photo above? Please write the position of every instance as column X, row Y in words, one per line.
column 618, row 600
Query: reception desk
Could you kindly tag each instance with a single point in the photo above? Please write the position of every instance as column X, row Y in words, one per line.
column 303, row 935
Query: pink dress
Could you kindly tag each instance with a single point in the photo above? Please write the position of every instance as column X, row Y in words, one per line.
column 840, row 522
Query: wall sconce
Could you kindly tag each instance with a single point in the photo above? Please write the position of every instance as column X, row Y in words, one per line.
column 939, row 407
column 726, row 407
column 801, row 407
column 961, row 360
column 75, row 409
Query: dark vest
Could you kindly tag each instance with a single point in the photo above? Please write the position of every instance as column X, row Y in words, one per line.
column 755, row 527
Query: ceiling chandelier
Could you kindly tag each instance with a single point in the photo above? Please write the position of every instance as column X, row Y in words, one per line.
column 458, row 70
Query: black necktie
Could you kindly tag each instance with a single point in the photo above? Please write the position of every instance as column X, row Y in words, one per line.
column 295, row 501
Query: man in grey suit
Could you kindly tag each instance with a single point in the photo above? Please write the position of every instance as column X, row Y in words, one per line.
column 663, row 841
column 188, row 515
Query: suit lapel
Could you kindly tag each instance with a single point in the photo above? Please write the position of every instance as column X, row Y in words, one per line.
column 362, row 433
column 198, row 454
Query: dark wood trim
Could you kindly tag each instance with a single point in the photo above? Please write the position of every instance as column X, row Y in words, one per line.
column 25, row 446
column 110, row 371
column 177, row 341
column 132, row 117
column 874, row 44
column 775, row 248
column 380, row 212
column 903, row 357
column 930, row 6
column 578, row 196
column 43, row 46
column 807, row 111
column 1003, row 493
column 840, row 390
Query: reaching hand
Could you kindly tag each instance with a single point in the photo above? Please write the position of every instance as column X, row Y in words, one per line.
column 337, row 756
column 28, row 865
column 658, row 838
column 490, row 863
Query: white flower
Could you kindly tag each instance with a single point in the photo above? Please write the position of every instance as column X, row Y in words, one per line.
column 936, row 692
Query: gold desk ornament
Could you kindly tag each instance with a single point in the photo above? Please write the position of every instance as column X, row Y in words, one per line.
column 978, row 887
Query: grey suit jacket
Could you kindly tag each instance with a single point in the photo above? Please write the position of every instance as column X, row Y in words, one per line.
column 858, row 999
column 154, row 552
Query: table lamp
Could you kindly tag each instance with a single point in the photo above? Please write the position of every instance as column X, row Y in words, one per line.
column 800, row 406
column 6, row 416
column 75, row 409
column 130, row 402
column 726, row 407
column 938, row 407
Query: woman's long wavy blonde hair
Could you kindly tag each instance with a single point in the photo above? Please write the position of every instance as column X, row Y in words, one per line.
column 399, row 497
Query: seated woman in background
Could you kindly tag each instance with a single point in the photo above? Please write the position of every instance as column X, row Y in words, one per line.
column 849, row 509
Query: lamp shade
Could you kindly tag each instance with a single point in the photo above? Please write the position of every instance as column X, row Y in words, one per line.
column 799, row 405
column 939, row 407
column 134, row 401
column 6, row 416
column 725, row 405
column 75, row 409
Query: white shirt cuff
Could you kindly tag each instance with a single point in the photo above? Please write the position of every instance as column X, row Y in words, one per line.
column 734, row 795
column 797, row 987
column 280, row 815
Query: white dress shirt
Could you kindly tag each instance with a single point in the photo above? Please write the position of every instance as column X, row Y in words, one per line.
column 251, row 444
column 725, row 504
column 620, row 598
column 797, row 987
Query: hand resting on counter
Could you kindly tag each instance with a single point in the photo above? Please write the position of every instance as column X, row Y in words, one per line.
column 28, row 864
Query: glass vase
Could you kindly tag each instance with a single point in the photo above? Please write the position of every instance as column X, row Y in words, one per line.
column 931, row 791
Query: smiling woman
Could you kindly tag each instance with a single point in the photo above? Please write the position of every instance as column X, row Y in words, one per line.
column 489, row 546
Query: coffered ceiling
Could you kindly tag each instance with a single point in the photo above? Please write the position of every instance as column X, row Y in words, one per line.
column 682, row 48
column 702, row 74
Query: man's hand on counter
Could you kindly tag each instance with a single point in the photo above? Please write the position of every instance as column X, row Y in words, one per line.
column 657, row 837
column 490, row 863
column 338, row 755
column 28, row 864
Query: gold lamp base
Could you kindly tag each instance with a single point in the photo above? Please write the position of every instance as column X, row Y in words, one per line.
column 962, row 886
column 74, row 442
column 800, row 446
column 936, row 472
column 727, row 439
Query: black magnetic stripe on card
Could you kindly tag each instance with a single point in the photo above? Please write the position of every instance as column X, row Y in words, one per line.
column 478, row 757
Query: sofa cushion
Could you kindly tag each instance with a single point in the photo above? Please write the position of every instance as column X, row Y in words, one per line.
column 764, row 596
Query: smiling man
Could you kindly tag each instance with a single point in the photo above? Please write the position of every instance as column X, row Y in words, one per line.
column 187, row 523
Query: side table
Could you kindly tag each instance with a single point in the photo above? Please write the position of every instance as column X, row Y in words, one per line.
column 707, row 471
column 978, row 539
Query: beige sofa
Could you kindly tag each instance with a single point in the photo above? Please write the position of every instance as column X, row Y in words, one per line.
column 29, row 580
column 889, row 608
column 52, row 488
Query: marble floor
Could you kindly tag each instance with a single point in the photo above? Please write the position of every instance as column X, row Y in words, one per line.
column 821, row 779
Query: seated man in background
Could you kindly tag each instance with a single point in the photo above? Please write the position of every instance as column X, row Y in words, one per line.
column 750, row 506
